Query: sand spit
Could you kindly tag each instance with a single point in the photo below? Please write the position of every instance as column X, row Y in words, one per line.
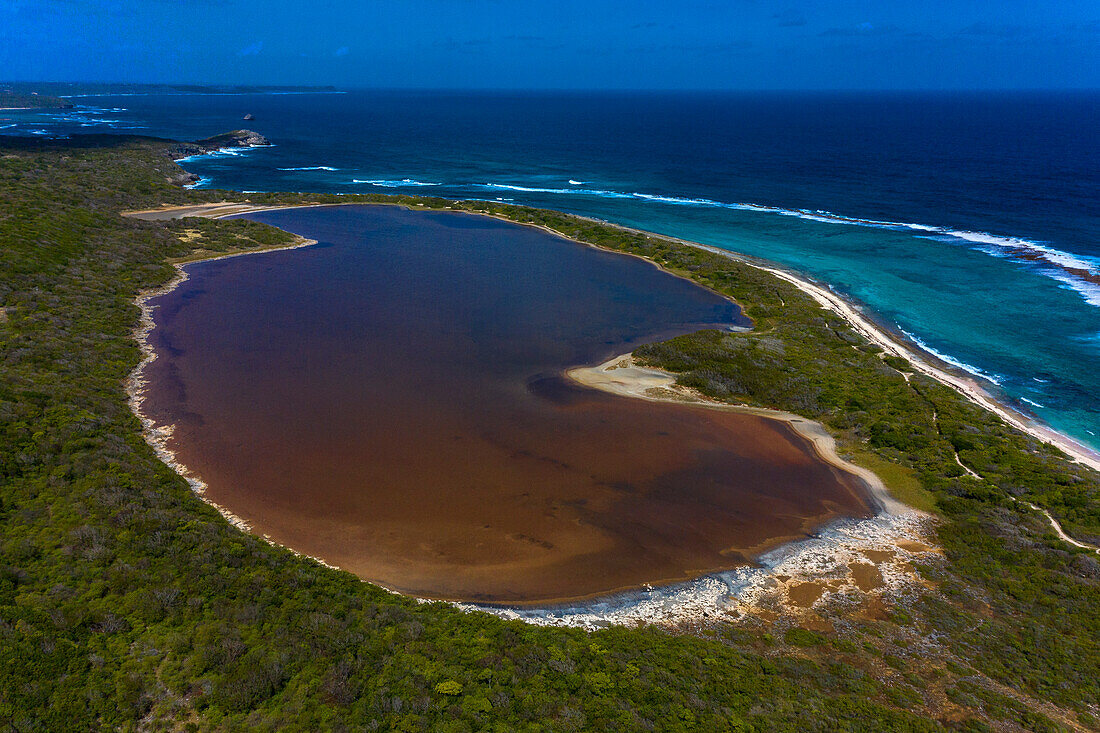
column 211, row 211
column 922, row 361
column 622, row 376
column 855, row 562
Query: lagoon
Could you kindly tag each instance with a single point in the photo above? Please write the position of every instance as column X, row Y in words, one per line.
column 392, row 400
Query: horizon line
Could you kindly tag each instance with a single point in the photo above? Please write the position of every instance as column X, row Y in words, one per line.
column 552, row 89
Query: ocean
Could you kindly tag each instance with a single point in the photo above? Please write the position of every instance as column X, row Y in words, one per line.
column 969, row 222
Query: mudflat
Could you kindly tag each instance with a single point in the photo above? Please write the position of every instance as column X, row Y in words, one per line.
column 393, row 401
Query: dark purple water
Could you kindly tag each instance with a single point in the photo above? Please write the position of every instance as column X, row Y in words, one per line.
column 392, row 400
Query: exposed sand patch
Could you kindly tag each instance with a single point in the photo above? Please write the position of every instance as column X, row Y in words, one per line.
column 861, row 562
column 207, row 211
column 805, row 594
column 187, row 236
column 865, row 575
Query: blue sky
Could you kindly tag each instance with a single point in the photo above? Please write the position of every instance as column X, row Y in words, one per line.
column 684, row 44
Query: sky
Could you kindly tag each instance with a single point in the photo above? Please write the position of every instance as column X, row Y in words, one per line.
column 558, row 44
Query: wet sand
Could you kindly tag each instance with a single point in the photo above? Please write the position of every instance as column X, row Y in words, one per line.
column 392, row 400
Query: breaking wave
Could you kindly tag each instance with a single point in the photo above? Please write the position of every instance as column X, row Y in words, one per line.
column 948, row 359
column 222, row 153
column 387, row 183
column 1077, row 272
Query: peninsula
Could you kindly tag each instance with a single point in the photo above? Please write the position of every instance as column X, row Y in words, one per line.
column 125, row 598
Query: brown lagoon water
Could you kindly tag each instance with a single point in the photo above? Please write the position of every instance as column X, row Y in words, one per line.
column 391, row 400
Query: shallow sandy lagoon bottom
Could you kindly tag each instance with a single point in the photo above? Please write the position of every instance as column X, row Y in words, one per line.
column 391, row 400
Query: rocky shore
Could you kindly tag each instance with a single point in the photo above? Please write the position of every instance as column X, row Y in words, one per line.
column 234, row 139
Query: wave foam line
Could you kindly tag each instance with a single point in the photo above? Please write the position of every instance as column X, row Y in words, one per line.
column 529, row 189
column 230, row 152
column 311, row 168
column 969, row 368
column 1080, row 273
column 391, row 183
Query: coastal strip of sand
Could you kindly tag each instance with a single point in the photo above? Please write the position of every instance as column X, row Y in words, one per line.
column 921, row 360
column 967, row 386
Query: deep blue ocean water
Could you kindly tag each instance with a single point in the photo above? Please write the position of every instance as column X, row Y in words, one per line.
column 970, row 222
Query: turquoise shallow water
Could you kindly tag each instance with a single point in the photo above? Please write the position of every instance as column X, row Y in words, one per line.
column 970, row 222
column 1031, row 339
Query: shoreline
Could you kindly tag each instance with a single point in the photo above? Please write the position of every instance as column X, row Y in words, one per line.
column 156, row 435
column 826, row 564
column 877, row 334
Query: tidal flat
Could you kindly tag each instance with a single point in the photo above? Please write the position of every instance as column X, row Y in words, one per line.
column 392, row 400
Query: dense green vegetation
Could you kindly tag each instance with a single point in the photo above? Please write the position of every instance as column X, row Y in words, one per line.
column 26, row 100
column 126, row 602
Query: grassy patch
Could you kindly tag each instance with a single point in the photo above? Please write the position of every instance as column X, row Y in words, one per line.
column 900, row 480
